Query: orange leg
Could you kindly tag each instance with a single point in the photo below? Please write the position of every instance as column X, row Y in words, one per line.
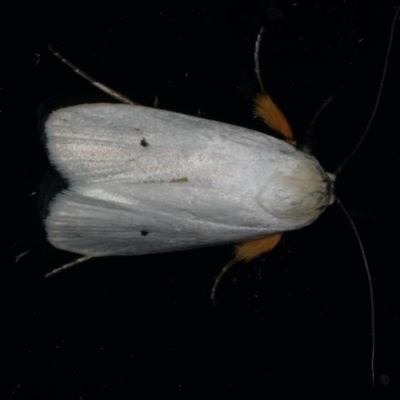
column 270, row 113
column 246, row 251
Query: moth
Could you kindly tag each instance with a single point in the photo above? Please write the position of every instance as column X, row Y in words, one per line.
column 144, row 180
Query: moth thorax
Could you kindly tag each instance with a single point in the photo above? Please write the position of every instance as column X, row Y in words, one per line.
column 298, row 195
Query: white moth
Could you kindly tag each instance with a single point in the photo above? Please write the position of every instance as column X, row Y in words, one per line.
column 143, row 180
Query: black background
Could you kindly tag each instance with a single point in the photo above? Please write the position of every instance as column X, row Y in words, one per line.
column 296, row 320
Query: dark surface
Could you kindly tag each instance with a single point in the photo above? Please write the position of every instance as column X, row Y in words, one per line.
column 294, row 321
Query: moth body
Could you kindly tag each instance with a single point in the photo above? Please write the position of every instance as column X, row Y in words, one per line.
column 144, row 180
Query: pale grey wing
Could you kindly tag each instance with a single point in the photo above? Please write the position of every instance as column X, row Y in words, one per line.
column 157, row 219
column 145, row 180
column 113, row 142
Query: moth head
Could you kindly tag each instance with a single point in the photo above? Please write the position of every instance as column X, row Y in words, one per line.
column 299, row 193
